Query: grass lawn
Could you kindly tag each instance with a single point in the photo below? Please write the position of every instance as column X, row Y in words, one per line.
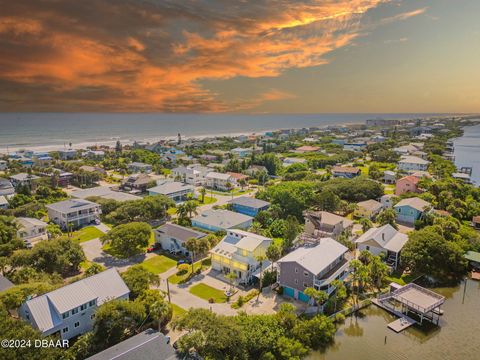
column 87, row 233
column 229, row 193
column 203, row 264
column 177, row 310
column 207, row 292
column 389, row 189
column 401, row 279
column 159, row 264
column 208, row 200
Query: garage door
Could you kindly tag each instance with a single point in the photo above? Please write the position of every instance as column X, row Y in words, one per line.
column 288, row 291
column 303, row 297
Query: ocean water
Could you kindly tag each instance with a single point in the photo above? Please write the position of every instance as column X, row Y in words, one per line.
column 467, row 151
column 47, row 130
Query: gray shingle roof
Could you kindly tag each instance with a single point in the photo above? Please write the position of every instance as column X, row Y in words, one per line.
column 170, row 187
column 179, row 232
column 148, row 345
column 249, row 202
column 5, row 284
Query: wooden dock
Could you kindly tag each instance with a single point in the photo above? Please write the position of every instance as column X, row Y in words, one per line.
column 400, row 324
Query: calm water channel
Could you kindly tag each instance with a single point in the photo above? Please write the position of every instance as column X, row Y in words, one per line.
column 457, row 337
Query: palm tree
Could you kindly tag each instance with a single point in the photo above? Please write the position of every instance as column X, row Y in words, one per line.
column 273, row 253
column 340, row 291
column 159, row 311
column 191, row 207
column 203, row 191
column 318, row 295
column 231, row 277
column 182, row 211
column 260, row 259
column 192, row 245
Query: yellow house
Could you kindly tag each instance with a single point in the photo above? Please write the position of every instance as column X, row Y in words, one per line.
column 238, row 252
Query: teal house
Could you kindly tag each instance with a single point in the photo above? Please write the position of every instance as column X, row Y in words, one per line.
column 410, row 210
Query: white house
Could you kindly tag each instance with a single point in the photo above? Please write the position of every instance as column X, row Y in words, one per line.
column 31, row 230
column 219, row 181
column 6, row 187
column 138, row 167
column 76, row 212
column 386, row 240
column 175, row 190
column 69, row 310
column 3, row 165
column 172, row 237
column 238, row 252
column 408, row 163
column 189, row 175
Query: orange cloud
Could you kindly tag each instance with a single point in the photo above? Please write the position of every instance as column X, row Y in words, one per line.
column 154, row 56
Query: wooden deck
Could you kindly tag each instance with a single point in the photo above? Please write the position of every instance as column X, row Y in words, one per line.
column 400, row 324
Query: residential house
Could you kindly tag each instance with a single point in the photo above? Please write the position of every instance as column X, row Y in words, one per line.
column 313, row 266
column 104, row 192
column 368, row 209
column 411, row 209
column 94, row 169
column 238, row 253
column 31, row 230
column 215, row 220
column 406, row 149
column 74, row 213
column 5, row 284
column 290, row 161
column 386, row 201
column 189, row 175
column 6, row 187
column 174, row 190
column 248, row 205
column 63, row 177
column 319, row 224
column 94, row 154
column 355, row 146
column 219, row 181
column 238, row 178
column 3, row 165
column 407, row 184
column 386, row 240
column 476, row 222
column 306, row 149
column 23, row 179
column 3, row 202
column 67, row 154
column 389, row 177
column 254, row 170
column 172, row 237
column 69, row 310
column 137, row 183
column 147, row 345
column 347, row 172
column 414, row 163
column 241, row 152
column 138, row 167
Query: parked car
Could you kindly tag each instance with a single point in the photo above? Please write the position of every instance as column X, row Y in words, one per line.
column 184, row 261
column 153, row 247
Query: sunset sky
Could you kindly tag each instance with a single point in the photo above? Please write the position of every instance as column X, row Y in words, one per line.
column 261, row 56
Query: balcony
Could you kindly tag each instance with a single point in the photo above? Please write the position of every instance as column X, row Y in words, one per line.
column 332, row 274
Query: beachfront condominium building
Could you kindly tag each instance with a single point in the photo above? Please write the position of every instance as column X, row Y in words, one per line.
column 73, row 213
column 313, row 266
column 238, row 253
column 69, row 310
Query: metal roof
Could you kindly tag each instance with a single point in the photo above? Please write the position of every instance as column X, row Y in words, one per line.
column 67, row 206
column 179, row 232
column 249, row 202
column 224, row 219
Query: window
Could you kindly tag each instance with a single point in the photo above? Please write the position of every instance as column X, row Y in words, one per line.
column 368, row 247
column 65, row 315
column 305, row 285
column 296, row 270
column 65, row 330
column 305, row 273
column 91, row 303
column 92, row 316
column 296, row 281
column 77, row 324
column 74, row 311
column 83, row 307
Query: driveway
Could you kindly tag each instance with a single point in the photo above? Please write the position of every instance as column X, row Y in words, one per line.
column 94, row 253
